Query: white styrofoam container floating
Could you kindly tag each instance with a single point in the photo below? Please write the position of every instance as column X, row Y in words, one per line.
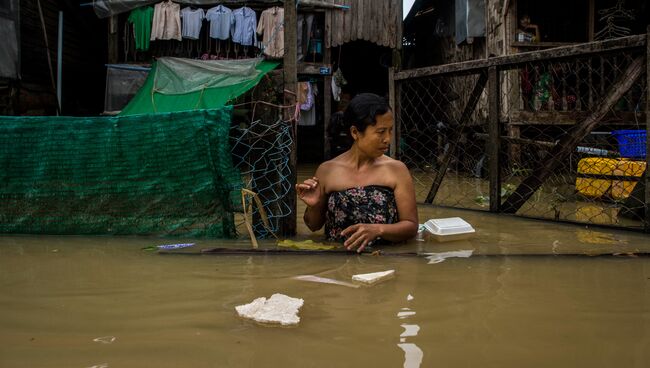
column 451, row 228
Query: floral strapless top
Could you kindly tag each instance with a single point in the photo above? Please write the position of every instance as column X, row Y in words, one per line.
column 372, row 204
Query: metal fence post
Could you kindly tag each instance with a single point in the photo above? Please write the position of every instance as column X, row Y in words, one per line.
column 494, row 140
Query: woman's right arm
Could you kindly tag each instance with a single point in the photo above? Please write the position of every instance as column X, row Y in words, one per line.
column 312, row 192
column 315, row 216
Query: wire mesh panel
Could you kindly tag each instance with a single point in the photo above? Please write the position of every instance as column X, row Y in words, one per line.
column 261, row 152
column 564, row 121
column 151, row 174
column 568, row 127
column 438, row 117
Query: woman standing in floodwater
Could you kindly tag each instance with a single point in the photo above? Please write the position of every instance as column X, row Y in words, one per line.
column 362, row 195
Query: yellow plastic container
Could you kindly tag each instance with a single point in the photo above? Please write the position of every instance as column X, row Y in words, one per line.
column 598, row 187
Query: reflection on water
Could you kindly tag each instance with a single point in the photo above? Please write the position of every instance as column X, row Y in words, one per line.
column 412, row 353
column 511, row 304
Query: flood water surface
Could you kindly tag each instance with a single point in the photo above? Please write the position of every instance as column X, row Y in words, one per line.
column 523, row 299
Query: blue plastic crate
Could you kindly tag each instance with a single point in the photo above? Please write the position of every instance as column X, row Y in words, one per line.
column 631, row 143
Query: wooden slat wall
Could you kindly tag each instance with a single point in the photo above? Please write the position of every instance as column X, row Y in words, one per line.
column 377, row 21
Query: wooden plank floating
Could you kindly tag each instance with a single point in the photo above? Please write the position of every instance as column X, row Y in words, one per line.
column 380, row 252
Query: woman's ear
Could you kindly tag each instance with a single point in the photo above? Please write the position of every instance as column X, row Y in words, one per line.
column 354, row 132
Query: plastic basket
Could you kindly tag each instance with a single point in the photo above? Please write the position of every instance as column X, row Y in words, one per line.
column 631, row 143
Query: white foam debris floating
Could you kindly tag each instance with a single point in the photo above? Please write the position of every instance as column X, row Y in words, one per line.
column 278, row 309
column 324, row 280
column 447, row 229
column 374, row 277
column 439, row 257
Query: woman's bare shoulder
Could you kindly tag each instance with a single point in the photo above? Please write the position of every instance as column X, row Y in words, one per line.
column 392, row 163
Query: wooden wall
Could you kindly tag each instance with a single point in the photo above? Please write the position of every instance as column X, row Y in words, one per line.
column 84, row 49
column 377, row 21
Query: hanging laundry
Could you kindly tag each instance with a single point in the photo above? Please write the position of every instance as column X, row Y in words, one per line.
column 244, row 23
column 192, row 22
column 141, row 19
column 305, row 96
column 308, row 107
column 221, row 22
column 271, row 26
column 166, row 21
column 338, row 81
column 302, row 92
column 305, row 22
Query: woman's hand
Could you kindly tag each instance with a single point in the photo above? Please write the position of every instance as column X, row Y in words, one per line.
column 360, row 235
column 309, row 192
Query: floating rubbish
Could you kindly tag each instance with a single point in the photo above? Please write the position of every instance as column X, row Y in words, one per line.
column 278, row 309
column 324, row 280
column 410, row 297
column 304, row 245
column 374, row 277
column 105, row 339
column 447, row 229
column 102, row 365
column 168, row 246
column 439, row 257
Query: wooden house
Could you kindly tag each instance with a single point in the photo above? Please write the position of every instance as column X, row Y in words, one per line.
column 361, row 38
column 440, row 32
column 32, row 69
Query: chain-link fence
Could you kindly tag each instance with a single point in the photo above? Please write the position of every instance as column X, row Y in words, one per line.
column 556, row 134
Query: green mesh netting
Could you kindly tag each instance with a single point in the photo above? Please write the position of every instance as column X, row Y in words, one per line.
column 163, row 174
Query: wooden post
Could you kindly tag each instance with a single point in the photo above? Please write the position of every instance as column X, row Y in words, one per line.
column 591, row 21
column 494, row 142
column 396, row 120
column 113, row 40
column 568, row 143
column 288, row 225
column 646, row 221
column 327, row 89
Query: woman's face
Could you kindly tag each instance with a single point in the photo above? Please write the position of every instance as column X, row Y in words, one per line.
column 375, row 140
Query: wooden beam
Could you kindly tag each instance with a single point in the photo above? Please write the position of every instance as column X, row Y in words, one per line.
column 391, row 102
column 314, row 68
column 494, row 142
column 520, row 117
column 288, row 225
column 526, row 57
column 646, row 219
column 327, row 103
column 462, row 123
column 591, row 20
column 113, row 40
column 569, row 142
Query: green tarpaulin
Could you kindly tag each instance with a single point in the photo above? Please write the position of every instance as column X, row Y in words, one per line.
column 177, row 84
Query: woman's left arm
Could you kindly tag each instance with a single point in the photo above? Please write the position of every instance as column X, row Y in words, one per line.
column 407, row 226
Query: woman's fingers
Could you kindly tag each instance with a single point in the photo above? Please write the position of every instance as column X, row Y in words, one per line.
column 363, row 246
column 356, row 238
column 360, row 236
